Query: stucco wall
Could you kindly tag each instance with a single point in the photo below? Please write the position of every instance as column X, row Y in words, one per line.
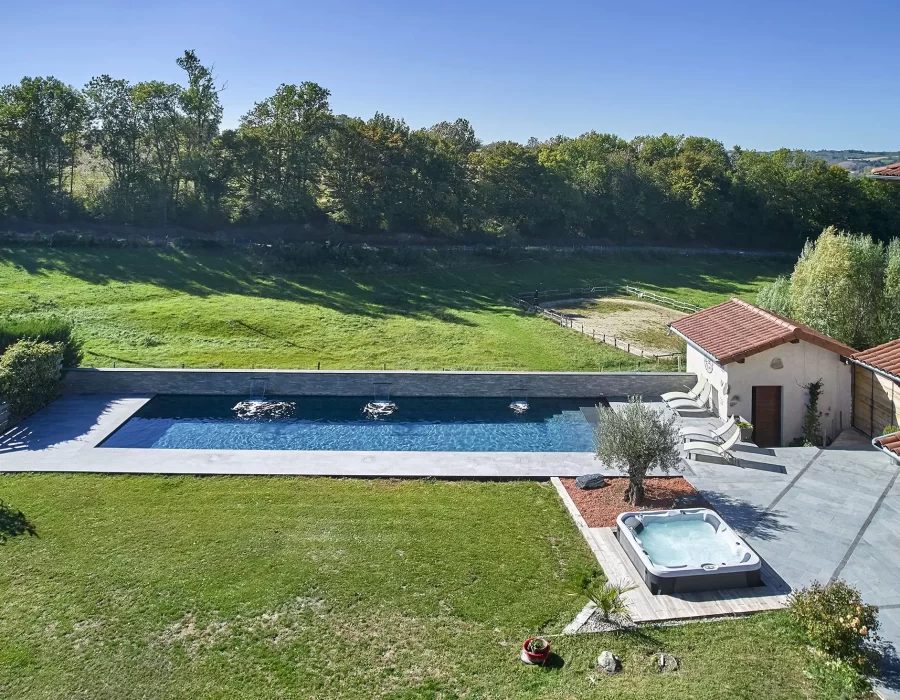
column 802, row 363
column 363, row 383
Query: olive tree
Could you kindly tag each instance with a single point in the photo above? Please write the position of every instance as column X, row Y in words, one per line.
column 636, row 439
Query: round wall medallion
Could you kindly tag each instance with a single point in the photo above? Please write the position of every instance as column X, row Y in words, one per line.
column 776, row 363
column 708, row 365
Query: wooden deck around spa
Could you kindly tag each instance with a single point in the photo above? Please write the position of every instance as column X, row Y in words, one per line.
column 648, row 608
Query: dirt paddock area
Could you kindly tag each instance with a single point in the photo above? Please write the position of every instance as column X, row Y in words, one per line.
column 637, row 322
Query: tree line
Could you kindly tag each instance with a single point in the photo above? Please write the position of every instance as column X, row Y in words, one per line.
column 154, row 154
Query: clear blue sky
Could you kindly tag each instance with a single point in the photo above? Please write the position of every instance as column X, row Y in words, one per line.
column 758, row 73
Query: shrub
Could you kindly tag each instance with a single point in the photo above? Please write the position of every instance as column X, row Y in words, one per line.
column 48, row 329
column 836, row 679
column 812, row 425
column 888, row 429
column 29, row 375
column 838, row 623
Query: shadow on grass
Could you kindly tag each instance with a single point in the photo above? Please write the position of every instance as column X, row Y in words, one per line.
column 13, row 523
column 426, row 291
column 554, row 662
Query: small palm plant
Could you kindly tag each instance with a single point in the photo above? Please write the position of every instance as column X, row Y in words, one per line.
column 605, row 595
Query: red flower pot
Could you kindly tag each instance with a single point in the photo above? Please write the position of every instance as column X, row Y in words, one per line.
column 535, row 657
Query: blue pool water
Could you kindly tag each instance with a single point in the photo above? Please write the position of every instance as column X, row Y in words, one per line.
column 340, row 423
column 685, row 542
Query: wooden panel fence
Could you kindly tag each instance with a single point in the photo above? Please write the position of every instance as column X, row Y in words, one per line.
column 876, row 401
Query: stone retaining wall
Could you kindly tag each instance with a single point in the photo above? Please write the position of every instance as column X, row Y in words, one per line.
column 366, row 383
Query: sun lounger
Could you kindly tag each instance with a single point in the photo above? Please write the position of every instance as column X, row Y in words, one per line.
column 699, row 402
column 706, row 435
column 692, row 394
column 723, row 450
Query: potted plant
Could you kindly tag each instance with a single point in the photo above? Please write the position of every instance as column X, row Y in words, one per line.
column 535, row 650
column 746, row 429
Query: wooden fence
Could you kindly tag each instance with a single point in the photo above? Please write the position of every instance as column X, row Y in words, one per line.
column 567, row 322
column 876, row 401
column 682, row 306
column 604, row 290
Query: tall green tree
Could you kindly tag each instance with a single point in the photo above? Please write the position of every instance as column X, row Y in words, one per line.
column 891, row 301
column 776, row 297
column 202, row 115
column 160, row 123
column 114, row 130
column 41, row 127
column 286, row 147
column 837, row 286
column 515, row 194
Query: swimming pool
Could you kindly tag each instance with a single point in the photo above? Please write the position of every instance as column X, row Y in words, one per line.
column 427, row 424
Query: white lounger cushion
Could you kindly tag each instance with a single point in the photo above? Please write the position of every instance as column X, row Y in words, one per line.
column 699, row 402
column 710, row 435
column 723, row 450
column 692, row 394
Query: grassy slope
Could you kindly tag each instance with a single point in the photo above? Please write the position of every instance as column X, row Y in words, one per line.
column 144, row 307
column 171, row 587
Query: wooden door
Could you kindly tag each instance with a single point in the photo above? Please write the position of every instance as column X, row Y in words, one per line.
column 767, row 416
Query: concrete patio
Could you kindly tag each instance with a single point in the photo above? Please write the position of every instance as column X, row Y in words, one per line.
column 818, row 515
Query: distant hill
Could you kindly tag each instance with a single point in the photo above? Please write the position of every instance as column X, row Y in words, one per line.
column 857, row 162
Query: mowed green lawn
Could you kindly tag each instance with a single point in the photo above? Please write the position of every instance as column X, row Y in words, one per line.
column 257, row 587
column 146, row 307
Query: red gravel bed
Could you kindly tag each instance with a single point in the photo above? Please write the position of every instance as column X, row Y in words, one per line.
column 599, row 507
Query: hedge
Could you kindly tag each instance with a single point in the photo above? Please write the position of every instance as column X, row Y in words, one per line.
column 29, row 375
column 48, row 329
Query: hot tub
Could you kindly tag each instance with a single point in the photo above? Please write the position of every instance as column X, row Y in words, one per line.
column 677, row 551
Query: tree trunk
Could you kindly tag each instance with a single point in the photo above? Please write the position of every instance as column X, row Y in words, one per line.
column 635, row 493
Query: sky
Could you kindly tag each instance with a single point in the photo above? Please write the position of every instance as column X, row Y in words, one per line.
column 761, row 74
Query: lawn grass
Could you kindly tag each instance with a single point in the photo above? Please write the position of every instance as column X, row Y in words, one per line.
column 165, row 308
column 262, row 587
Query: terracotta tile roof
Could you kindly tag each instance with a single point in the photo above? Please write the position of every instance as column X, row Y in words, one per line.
column 885, row 358
column 735, row 329
column 889, row 443
column 892, row 170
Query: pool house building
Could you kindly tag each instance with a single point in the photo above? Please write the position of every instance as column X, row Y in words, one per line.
column 758, row 364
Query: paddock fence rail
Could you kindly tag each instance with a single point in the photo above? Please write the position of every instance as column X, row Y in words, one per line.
column 526, row 302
